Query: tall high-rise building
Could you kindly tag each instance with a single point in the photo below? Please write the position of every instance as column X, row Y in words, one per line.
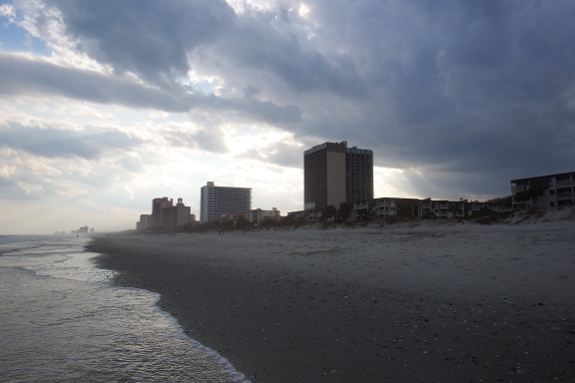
column 358, row 175
column 218, row 201
column 165, row 214
column 158, row 206
column 334, row 173
column 176, row 216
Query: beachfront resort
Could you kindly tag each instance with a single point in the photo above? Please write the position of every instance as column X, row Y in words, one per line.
column 338, row 184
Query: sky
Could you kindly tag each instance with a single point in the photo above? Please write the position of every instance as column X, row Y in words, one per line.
column 105, row 105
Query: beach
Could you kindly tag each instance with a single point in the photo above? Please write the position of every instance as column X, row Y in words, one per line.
column 407, row 303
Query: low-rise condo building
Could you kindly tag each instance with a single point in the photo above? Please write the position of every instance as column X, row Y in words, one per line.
column 553, row 190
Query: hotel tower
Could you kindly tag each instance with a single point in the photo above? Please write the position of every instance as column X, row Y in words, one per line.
column 334, row 173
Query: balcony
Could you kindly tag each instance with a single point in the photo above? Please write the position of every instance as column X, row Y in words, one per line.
column 564, row 195
column 564, row 183
column 518, row 188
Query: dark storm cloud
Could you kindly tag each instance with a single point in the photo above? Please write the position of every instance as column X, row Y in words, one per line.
column 258, row 47
column 21, row 75
column 250, row 109
column 264, row 111
column 468, row 86
column 55, row 143
column 152, row 39
column 149, row 38
column 455, row 87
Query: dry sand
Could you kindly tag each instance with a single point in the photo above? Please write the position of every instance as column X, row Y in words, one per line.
column 432, row 303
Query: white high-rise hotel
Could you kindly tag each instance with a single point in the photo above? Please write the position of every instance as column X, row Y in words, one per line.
column 218, row 201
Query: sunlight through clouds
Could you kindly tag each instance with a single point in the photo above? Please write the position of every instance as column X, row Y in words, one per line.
column 105, row 106
column 304, row 10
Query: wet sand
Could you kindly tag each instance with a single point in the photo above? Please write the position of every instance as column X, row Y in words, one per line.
column 433, row 303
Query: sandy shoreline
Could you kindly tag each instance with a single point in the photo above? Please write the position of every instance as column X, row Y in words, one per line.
column 447, row 303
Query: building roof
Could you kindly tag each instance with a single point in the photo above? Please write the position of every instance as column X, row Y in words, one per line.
column 544, row 176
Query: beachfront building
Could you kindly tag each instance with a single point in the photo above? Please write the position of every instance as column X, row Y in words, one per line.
column 165, row 215
column 360, row 211
column 176, row 216
column 334, row 173
column 553, row 190
column 390, row 207
column 218, row 201
column 257, row 216
column 144, row 222
column 158, row 206
column 433, row 209
column 386, row 207
column 441, row 209
column 82, row 230
column 358, row 175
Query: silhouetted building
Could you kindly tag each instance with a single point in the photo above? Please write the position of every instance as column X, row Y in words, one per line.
column 556, row 190
column 176, row 216
column 334, row 173
column 358, row 175
column 81, row 230
column 166, row 215
column 158, row 206
column 145, row 222
column 258, row 215
column 389, row 207
column 218, row 201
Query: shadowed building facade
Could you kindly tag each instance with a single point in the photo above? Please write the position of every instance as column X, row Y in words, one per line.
column 556, row 190
column 334, row 173
column 158, row 208
column 165, row 214
column 218, row 201
column 176, row 216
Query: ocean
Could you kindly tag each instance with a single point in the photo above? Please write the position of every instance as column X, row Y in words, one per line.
column 61, row 322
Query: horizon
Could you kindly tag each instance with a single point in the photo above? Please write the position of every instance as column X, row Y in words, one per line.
column 106, row 105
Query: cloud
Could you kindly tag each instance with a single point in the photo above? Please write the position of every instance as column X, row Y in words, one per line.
column 7, row 11
column 258, row 47
column 57, row 143
column 278, row 153
column 132, row 164
column 153, row 40
column 471, row 87
column 20, row 75
column 210, row 140
column 150, row 39
column 470, row 94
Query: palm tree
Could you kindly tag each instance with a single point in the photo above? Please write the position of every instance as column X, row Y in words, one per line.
column 535, row 192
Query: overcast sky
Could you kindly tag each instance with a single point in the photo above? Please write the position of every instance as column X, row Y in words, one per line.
column 105, row 105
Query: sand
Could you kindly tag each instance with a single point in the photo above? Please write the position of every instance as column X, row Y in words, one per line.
column 432, row 303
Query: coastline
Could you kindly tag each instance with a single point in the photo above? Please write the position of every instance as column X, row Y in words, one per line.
column 445, row 303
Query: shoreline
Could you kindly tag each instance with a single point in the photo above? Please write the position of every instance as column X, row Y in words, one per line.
column 446, row 303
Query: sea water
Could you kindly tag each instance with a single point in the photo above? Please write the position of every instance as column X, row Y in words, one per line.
column 61, row 322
